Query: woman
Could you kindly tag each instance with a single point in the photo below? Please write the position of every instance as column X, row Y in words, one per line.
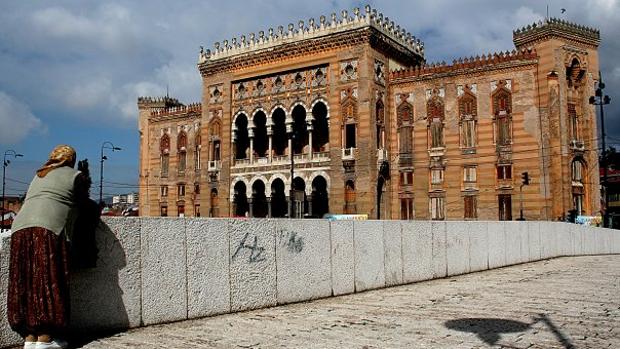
column 38, row 294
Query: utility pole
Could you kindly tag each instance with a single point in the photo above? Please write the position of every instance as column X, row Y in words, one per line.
column 6, row 163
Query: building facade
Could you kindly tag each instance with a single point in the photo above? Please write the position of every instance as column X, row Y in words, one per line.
column 345, row 116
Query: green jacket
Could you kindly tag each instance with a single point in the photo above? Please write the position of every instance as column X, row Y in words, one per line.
column 50, row 202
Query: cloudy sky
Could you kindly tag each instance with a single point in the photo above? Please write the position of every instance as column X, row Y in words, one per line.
column 71, row 71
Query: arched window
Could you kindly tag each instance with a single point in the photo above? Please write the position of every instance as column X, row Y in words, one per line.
column 405, row 128
column 182, row 152
column 468, row 117
column 435, row 116
column 348, row 108
column 197, row 146
column 215, row 140
column 241, row 137
column 164, row 149
column 380, row 125
column 502, row 110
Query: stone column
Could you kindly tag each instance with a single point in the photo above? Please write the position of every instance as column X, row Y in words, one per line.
column 309, row 198
column 270, row 136
column 251, row 207
column 251, row 134
column 269, row 207
column 288, row 206
column 310, row 140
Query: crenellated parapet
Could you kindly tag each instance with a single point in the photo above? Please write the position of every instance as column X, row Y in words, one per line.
column 303, row 31
column 157, row 102
column 180, row 110
column 554, row 27
column 464, row 65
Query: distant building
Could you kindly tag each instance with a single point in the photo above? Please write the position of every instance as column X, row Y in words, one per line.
column 12, row 203
column 372, row 128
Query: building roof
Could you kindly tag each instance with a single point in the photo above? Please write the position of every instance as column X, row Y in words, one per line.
column 554, row 27
column 271, row 40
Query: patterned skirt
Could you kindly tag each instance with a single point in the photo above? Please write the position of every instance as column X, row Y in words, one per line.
column 38, row 294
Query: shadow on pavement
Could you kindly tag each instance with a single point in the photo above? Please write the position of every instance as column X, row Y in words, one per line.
column 490, row 330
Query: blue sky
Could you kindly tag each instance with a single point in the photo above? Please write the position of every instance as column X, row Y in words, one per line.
column 71, row 71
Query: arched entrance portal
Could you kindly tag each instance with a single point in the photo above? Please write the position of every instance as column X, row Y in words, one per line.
column 278, row 199
column 320, row 199
column 240, row 200
column 259, row 200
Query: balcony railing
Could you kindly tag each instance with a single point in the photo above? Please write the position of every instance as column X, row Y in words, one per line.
column 214, row 165
column 280, row 159
column 405, row 160
column 320, row 155
column 348, row 153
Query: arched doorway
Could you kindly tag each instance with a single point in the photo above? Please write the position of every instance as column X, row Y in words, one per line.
column 240, row 200
column 320, row 198
column 349, row 197
column 214, row 204
column 259, row 200
column 299, row 198
column 278, row 199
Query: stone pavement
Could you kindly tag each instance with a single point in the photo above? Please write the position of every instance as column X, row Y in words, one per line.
column 559, row 303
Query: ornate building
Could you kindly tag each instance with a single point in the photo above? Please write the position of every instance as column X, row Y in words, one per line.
column 370, row 128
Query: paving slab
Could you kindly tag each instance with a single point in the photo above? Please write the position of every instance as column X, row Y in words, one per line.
column 546, row 304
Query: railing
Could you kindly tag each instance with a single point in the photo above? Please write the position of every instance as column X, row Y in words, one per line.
column 348, row 153
column 300, row 157
column 214, row 165
column 262, row 161
column 320, row 155
column 382, row 155
column 405, row 160
column 280, row 159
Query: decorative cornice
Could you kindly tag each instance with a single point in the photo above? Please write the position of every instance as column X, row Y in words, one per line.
column 466, row 65
column 271, row 42
column 177, row 112
column 553, row 27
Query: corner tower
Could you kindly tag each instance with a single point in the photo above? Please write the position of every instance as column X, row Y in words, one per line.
column 567, row 72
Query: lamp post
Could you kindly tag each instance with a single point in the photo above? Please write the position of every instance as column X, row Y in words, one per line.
column 291, row 134
column 6, row 163
column 105, row 145
column 601, row 99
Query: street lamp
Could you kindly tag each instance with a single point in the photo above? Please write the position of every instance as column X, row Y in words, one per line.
column 6, row 163
column 601, row 99
column 105, row 145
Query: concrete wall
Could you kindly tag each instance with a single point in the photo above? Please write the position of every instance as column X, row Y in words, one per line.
column 156, row 270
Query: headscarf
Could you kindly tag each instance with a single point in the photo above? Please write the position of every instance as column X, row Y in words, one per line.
column 62, row 155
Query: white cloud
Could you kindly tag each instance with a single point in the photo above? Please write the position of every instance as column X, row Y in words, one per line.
column 89, row 94
column 109, row 26
column 126, row 100
column 16, row 120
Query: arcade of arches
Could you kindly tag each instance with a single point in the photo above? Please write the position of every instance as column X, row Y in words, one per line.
column 271, row 199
